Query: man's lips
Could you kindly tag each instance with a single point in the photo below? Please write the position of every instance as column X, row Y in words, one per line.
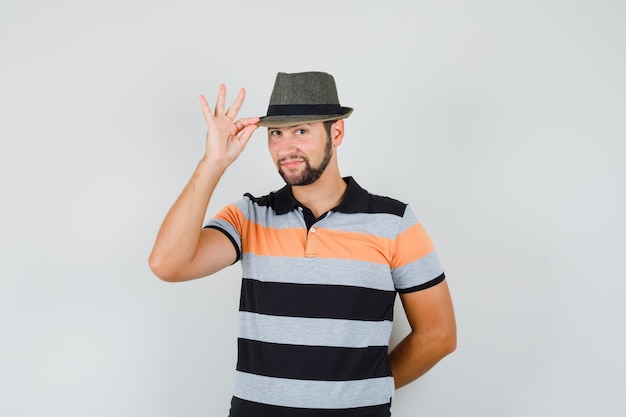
column 291, row 163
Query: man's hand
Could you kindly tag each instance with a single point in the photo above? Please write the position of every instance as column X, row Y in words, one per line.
column 226, row 138
column 183, row 249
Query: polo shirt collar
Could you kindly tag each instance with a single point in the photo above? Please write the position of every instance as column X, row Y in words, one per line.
column 356, row 199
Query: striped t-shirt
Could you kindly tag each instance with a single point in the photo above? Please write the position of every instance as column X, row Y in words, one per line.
column 317, row 299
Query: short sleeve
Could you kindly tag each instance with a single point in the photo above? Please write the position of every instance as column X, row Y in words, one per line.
column 415, row 264
column 230, row 221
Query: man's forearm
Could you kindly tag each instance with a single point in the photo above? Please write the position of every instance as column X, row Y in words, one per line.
column 417, row 354
column 178, row 237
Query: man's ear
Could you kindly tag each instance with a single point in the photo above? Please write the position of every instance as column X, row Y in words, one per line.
column 336, row 132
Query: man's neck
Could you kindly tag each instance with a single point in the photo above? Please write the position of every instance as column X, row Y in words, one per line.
column 322, row 195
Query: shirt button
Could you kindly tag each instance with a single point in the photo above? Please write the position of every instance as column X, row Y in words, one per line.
column 313, row 229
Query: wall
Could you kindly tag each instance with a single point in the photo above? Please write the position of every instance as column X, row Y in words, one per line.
column 501, row 122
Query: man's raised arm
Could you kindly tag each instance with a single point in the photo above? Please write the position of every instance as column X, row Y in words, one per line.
column 183, row 250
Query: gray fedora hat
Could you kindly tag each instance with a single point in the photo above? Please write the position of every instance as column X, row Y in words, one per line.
column 303, row 97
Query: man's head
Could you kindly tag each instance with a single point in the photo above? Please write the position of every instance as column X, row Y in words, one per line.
column 304, row 124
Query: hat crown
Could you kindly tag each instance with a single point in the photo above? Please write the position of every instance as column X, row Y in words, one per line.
column 303, row 97
column 304, row 88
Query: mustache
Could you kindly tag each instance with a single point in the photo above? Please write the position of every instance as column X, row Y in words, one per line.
column 294, row 156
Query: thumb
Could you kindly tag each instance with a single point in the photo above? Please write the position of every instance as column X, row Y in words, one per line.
column 246, row 134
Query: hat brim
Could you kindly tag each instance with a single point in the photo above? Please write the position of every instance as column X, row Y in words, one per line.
column 296, row 119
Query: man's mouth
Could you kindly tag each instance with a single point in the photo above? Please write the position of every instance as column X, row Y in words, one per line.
column 289, row 163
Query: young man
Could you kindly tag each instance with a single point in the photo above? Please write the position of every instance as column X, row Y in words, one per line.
column 322, row 261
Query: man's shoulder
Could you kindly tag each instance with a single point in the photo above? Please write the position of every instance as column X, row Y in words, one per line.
column 280, row 200
column 264, row 200
column 384, row 204
column 368, row 202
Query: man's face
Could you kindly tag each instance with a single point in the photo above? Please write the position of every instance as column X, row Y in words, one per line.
column 301, row 153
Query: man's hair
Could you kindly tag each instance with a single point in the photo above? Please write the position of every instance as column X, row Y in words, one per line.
column 327, row 125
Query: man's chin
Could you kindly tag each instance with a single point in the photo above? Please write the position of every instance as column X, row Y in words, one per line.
column 296, row 179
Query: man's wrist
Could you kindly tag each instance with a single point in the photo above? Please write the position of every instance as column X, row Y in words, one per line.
column 209, row 166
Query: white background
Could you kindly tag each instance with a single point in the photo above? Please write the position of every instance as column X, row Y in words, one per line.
column 501, row 122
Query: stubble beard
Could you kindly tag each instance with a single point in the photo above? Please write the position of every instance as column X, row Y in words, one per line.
column 309, row 174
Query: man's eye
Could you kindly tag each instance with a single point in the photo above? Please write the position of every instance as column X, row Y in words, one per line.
column 301, row 131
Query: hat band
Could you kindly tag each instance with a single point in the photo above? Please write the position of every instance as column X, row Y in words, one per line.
column 303, row 109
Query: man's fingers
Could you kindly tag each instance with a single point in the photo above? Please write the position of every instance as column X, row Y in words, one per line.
column 242, row 123
column 206, row 110
column 211, row 117
column 246, row 134
column 234, row 108
column 221, row 100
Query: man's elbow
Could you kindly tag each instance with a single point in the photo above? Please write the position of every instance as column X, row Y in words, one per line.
column 448, row 344
column 446, row 341
column 161, row 268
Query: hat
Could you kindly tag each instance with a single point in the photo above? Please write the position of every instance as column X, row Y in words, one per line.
column 303, row 97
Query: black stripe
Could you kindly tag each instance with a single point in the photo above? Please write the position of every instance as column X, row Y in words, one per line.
column 263, row 201
column 303, row 109
column 316, row 301
column 316, row 363
column 358, row 200
column 380, row 204
column 244, row 408
column 424, row 286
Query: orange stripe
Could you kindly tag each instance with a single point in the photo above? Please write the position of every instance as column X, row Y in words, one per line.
column 411, row 245
column 232, row 215
column 269, row 241
column 323, row 243
column 328, row 243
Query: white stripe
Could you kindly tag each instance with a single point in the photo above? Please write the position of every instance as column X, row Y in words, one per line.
column 313, row 332
column 385, row 225
column 313, row 394
column 318, row 271
column 267, row 217
column 228, row 228
column 418, row 272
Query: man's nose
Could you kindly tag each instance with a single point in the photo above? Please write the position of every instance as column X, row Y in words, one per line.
column 287, row 146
